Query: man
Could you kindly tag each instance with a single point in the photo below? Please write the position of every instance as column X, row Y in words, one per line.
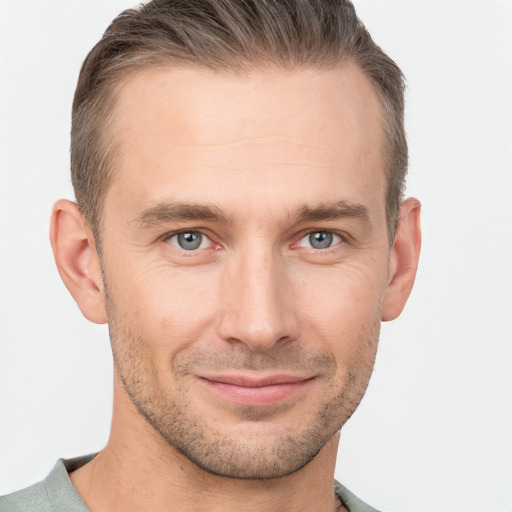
column 238, row 169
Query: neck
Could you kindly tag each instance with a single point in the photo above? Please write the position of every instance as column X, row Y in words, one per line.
column 138, row 470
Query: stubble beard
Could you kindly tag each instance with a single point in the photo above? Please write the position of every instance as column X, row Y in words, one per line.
column 263, row 452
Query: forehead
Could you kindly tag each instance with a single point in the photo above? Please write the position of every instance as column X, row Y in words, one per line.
column 190, row 132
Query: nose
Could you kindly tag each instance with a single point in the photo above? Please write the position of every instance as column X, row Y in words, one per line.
column 257, row 307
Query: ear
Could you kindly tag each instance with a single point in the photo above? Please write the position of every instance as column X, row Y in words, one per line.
column 403, row 260
column 77, row 260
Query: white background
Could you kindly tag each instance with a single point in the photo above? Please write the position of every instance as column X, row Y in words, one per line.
column 434, row 432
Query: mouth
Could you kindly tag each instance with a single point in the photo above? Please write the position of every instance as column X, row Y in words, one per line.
column 256, row 391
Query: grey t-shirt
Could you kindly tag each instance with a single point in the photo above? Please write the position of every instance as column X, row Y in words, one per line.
column 57, row 494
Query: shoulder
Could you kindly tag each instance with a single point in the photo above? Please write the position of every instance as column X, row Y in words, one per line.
column 31, row 499
column 54, row 494
column 350, row 500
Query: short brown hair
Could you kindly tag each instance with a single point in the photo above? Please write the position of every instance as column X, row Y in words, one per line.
column 224, row 35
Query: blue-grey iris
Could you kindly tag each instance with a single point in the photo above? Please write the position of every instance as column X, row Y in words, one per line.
column 320, row 239
column 190, row 240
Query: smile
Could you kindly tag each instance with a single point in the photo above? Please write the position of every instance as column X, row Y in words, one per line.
column 244, row 390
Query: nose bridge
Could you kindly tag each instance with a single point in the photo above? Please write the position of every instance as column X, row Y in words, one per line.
column 256, row 311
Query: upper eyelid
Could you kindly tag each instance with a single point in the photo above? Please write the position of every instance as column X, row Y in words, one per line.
column 333, row 232
column 170, row 234
column 345, row 237
column 184, row 252
column 342, row 234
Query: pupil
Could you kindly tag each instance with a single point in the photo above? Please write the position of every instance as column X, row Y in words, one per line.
column 320, row 240
column 189, row 241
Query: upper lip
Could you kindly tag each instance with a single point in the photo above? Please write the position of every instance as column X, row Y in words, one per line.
column 255, row 381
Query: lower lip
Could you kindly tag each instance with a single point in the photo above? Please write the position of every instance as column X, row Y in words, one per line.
column 261, row 395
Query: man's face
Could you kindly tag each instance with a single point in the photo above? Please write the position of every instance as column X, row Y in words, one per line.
column 245, row 257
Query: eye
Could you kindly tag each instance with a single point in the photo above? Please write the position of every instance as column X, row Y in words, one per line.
column 189, row 240
column 320, row 240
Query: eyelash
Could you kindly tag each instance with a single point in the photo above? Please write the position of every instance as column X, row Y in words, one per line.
column 334, row 234
column 168, row 237
column 341, row 238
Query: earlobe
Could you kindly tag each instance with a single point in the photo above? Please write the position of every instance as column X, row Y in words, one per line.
column 77, row 260
column 404, row 259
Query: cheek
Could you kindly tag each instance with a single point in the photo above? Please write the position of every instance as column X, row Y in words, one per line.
column 342, row 299
column 341, row 310
column 154, row 317
column 167, row 307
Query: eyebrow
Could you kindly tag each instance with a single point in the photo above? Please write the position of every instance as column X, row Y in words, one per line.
column 178, row 212
column 332, row 211
column 175, row 212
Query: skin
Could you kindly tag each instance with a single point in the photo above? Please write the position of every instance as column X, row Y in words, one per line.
column 236, row 364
